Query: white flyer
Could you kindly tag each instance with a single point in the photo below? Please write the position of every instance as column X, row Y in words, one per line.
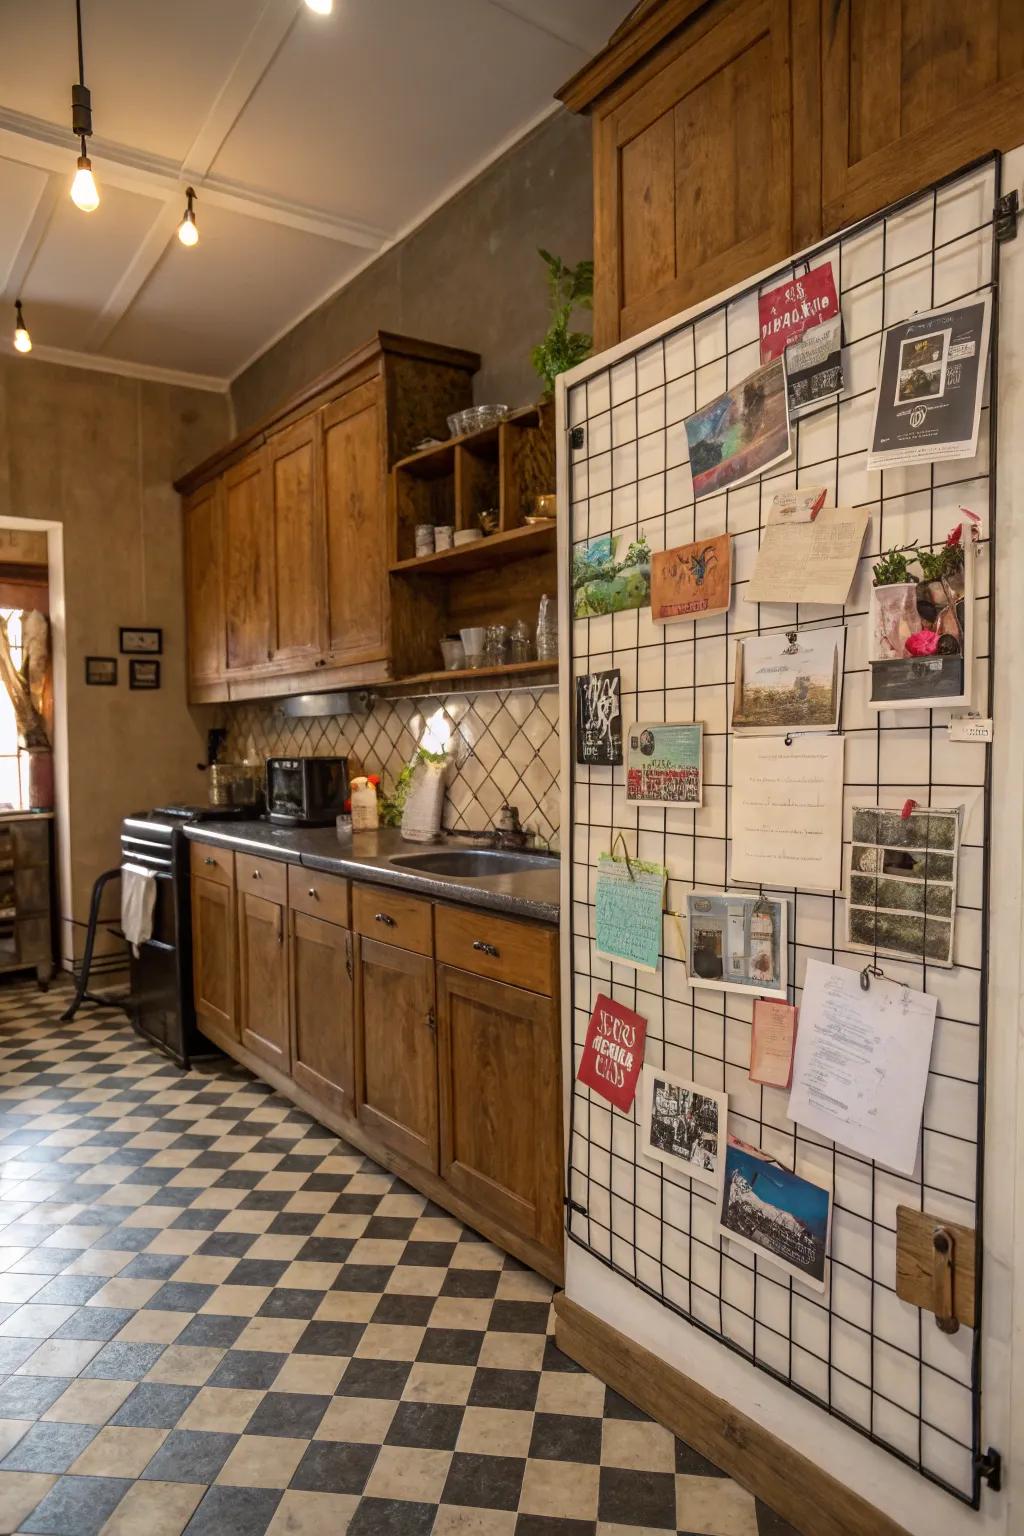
column 787, row 811
column 861, row 1065
column 808, row 552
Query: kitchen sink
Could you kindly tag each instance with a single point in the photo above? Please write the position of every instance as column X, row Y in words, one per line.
column 472, row 863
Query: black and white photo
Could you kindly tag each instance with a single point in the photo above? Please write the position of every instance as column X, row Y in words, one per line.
column 682, row 1124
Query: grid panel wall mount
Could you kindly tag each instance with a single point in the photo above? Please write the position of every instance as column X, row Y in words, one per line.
column 869, row 1359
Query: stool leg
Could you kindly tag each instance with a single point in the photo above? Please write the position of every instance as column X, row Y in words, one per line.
column 82, row 993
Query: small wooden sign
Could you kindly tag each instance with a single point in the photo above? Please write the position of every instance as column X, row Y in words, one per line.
column 924, row 1281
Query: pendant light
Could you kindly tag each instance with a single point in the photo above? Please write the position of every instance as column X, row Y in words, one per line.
column 22, row 339
column 188, row 234
column 84, row 192
column 321, row 7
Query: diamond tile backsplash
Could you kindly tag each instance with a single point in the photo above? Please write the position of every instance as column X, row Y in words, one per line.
column 502, row 746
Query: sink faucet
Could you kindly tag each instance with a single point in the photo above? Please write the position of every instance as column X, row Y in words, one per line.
column 509, row 831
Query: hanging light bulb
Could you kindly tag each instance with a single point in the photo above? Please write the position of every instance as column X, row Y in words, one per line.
column 22, row 339
column 84, row 192
column 188, row 234
column 321, row 7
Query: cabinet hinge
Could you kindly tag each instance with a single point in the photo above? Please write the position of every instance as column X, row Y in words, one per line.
column 989, row 1464
column 431, row 1021
column 1005, row 215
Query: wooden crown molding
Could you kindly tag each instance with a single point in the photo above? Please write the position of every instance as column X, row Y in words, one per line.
column 646, row 27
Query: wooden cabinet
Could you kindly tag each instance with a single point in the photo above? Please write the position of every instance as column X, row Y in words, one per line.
column 501, row 1112
column 728, row 135
column 213, row 936
column 397, row 1027
column 298, row 630
column 204, row 582
column 263, row 971
column 248, row 565
column 322, row 1013
column 357, row 546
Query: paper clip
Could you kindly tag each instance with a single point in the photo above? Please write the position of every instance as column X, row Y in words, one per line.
column 616, row 840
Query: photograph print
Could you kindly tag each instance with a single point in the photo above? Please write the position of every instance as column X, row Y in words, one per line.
column 737, row 943
column 775, row 1213
column 902, row 884
column 682, row 1124
column 789, row 681
column 922, row 367
column 743, row 432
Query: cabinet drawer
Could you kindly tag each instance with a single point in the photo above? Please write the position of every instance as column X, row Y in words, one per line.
column 318, row 895
column 263, row 877
column 502, row 948
column 393, row 917
column 213, row 863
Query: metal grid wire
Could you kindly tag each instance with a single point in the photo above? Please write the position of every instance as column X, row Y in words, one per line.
column 871, row 1360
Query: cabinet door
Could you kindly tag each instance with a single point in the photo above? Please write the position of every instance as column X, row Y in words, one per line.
column 913, row 89
column 323, row 1025
column 297, row 509
column 203, row 515
column 501, row 1114
column 355, row 478
column 213, row 952
column 398, row 1050
column 263, row 960
column 692, row 168
column 248, row 564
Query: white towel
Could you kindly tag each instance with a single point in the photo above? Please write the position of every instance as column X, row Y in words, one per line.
column 138, row 898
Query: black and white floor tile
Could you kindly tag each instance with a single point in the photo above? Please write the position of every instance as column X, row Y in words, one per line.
column 217, row 1318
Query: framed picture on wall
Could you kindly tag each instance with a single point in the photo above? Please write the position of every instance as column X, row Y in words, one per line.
column 141, row 642
column 101, row 671
column 143, row 674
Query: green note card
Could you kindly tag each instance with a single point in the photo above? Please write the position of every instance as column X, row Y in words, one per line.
column 628, row 911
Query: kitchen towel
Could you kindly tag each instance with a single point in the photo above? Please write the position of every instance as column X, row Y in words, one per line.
column 138, row 898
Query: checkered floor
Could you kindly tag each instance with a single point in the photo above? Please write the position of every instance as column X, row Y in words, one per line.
column 217, row 1318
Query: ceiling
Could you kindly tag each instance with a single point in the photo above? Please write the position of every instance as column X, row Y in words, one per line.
column 313, row 144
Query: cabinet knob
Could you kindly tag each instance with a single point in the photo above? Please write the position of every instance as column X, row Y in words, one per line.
column 209, row 861
column 485, row 949
column 384, row 917
column 257, row 875
column 314, row 893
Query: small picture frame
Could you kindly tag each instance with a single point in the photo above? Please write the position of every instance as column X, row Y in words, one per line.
column 101, row 671
column 143, row 674
column 141, row 642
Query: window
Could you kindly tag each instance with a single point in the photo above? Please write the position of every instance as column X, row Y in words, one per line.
column 13, row 763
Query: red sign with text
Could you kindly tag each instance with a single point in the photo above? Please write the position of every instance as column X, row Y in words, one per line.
column 614, row 1052
column 792, row 308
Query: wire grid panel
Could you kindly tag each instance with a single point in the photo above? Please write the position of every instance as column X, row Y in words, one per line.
column 876, row 1362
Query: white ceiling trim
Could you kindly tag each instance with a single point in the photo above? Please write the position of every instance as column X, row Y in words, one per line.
column 95, row 363
column 32, row 239
column 147, row 255
column 31, row 141
column 444, row 196
column 255, row 57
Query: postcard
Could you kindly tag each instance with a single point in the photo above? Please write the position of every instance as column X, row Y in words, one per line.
column 613, row 1052
column 599, row 719
column 808, row 552
column 790, row 681
column 931, row 378
column 921, row 633
column 664, row 764
column 742, row 433
column 861, row 1065
column 787, row 812
column 628, row 900
column 795, row 306
column 736, row 943
column 772, row 1043
column 693, row 581
column 814, row 367
column 902, row 883
column 775, row 1213
column 601, row 583
column 682, row 1124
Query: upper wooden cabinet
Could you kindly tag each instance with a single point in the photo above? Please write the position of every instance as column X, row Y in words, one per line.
column 728, row 135
column 288, row 536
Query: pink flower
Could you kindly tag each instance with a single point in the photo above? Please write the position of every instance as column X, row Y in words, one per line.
column 954, row 538
column 924, row 643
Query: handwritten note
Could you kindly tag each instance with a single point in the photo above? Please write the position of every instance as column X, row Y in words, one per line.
column 772, row 1040
column 861, row 1065
column 807, row 557
column 787, row 811
column 628, row 911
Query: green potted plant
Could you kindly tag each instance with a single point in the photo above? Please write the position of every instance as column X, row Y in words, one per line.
column 894, row 608
column 561, row 349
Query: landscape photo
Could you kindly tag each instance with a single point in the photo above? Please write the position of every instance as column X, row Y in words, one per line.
column 789, row 681
column 743, row 432
column 683, row 1125
column 602, row 583
column 775, row 1213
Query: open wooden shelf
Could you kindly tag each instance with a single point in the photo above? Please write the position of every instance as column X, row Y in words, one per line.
column 437, row 459
column 514, row 544
column 488, row 677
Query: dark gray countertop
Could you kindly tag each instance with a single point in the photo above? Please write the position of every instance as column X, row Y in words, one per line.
column 367, row 856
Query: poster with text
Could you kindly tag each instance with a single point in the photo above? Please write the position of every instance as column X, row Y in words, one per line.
column 664, row 764
column 613, row 1052
column 931, row 377
column 795, row 306
column 628, row 900
column 599, row 719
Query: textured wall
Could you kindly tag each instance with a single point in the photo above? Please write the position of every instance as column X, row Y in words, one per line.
column 469, row 276
column 98, row 453
column 502, row 746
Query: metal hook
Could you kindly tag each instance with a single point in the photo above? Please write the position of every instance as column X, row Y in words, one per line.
column 789, row 738
column 866, row 975
column 619, row 838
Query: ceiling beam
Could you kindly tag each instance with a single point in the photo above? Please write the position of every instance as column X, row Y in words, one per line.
column 255, row 57
column 145, row 260
column 32, row 239
column 41, row 353
column 31, row 141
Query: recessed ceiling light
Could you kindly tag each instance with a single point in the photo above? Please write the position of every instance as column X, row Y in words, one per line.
column 188, row 234
column 22, row 339
column 84, row 192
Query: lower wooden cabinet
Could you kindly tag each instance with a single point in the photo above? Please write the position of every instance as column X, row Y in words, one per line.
column 263, row 969
column 322, row 1013
column 501, row 1124
column 213, row 953
column 398, row 1031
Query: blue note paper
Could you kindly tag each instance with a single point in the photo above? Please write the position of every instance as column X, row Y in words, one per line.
column 628, row 911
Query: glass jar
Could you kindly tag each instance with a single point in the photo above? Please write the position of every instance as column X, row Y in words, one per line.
column 496, row 645
column 522, row 642
column 547, row 629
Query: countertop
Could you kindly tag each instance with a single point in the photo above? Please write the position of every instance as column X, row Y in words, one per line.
column 367, row 856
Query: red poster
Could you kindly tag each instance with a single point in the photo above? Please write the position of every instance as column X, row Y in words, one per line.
column 792, row 308
column 614, row 1052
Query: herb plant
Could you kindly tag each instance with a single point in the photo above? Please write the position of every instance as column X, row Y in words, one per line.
column 561, row 348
